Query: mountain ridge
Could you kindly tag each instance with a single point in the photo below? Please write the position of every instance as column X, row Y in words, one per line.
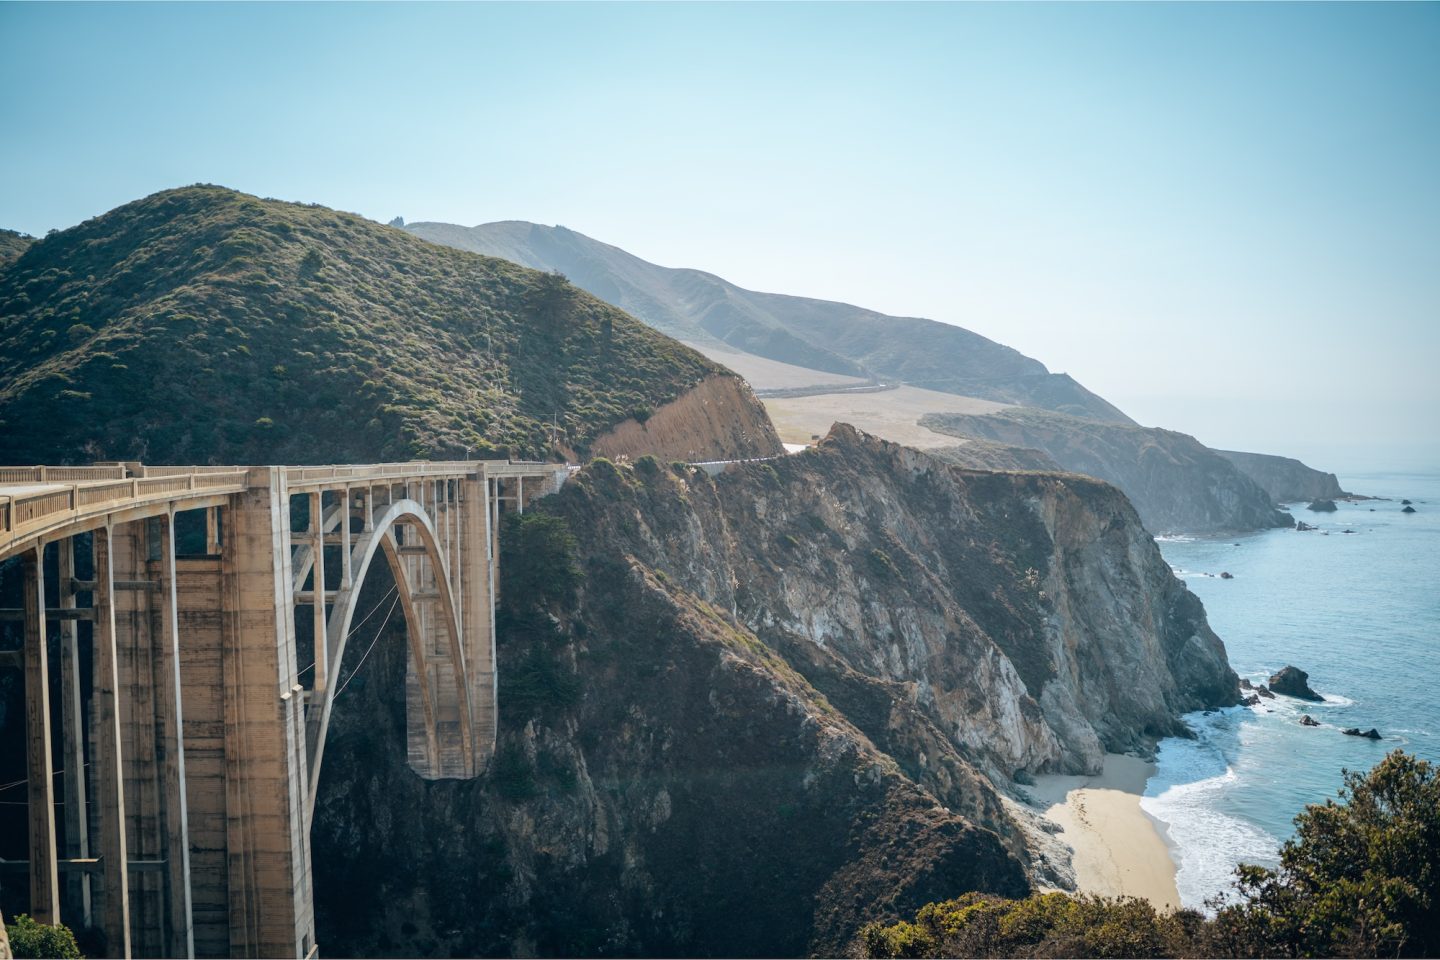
column 705, row 310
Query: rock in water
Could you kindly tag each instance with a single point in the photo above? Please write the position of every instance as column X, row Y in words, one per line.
column 1371, row 734
column 1308, row 721
column 1264, row 691
column 1292, row 681
column 1323, row 506
column 1404, row 503
column 1302, row 526
column 1251, row 701
column 1246, row 684
column 1226, row 575
column 1408, row 510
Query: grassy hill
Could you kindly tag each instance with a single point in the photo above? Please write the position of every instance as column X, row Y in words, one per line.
column 13, row 244
column 831, row 338
column 202, row 324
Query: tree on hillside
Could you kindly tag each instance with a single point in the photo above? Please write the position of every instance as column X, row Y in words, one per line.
column 1360, row 878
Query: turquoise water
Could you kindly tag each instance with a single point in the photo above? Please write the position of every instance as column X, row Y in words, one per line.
column 1361, row 613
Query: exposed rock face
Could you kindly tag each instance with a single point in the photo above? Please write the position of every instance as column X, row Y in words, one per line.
column 1286, row 479
column 1175, row 482
column 1293, row 682
column 772, row 712
column 718, row 420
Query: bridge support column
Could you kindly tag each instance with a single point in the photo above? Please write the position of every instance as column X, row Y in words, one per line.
column 477, row 602
column 199, row 605
column 72, row 734
column 170, row 724
column 136, row 640
column 268, row 843
column 109, row 756
column 40, row 768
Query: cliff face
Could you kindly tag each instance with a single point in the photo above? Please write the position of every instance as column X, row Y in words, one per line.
column 1286, row 480
column 770, row 712
column 1175, row 482
column 718, row 420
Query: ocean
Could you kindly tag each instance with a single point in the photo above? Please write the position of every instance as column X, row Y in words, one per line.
column 1360, row 612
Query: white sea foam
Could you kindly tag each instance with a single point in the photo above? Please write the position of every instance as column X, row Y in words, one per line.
column 1173, row 538
column 1185, row 795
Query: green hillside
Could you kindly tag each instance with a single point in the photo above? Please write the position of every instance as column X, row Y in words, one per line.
column 13, row 244
column 202, row 324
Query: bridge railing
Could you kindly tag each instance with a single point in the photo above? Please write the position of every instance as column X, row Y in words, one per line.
column 26, row 512
column 60, row 474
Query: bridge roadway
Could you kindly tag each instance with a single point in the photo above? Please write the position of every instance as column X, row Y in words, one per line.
column 188, row 763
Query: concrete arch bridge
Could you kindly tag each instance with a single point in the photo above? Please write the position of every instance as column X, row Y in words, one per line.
column 200, row 639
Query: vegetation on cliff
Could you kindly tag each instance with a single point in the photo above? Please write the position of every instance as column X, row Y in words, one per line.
column 1360, row 878
column 206, row 325
column 12, row 244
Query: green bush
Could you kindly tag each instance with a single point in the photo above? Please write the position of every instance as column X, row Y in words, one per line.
column 31, row 939
column 1360, row 878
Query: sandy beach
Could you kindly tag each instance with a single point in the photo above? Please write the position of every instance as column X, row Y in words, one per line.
column 1119, row 850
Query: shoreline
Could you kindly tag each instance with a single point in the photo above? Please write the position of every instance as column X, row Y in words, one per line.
column 1118, row 849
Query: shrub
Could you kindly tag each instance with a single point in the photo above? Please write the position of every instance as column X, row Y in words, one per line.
column 31, row 939
column 1360, row 878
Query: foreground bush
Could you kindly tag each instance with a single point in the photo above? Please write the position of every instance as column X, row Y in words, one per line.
column 31, row 939
column 1361, row 878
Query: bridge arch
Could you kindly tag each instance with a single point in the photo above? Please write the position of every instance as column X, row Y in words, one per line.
column 380, row 537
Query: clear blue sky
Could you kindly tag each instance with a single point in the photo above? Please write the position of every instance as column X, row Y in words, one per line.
column 1223, row 217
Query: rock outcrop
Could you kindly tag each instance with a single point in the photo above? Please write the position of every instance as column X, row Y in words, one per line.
column 773, row 711
column 718, row 420
column 1286, row 479
column 1371, row 734
column 1294, row 682
column 1176, row 482
column 1308, row 721
column 1322, row 506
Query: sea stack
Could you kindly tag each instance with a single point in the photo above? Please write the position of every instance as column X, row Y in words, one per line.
column 1292, row 682
column 1323, row 506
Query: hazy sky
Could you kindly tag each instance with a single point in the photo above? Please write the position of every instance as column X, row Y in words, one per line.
column 1223, row 217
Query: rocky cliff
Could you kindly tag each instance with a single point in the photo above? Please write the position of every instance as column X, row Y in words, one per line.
column 1286, row 479
column 1176, row 483
column 719, row 419
column 767, row 707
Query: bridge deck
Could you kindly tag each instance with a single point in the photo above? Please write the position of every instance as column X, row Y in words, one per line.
column 42, row 502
